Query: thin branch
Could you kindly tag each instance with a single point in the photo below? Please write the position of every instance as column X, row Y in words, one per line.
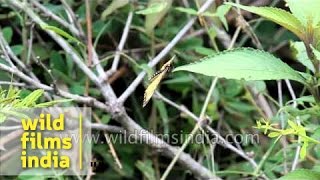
column 111, row 147
column 283, row 140
column 26, row 78
column 295, row 104
column 109, row 128
column 12, row 83
column 123, row 40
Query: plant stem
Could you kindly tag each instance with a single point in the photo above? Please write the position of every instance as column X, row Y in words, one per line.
column 265, row 157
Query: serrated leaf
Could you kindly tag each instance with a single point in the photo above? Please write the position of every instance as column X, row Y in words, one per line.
column 243, row 63
column 300, row 174
column 301, row 55
column 277, row 15
column 152, row 20
column 116, row 4
column 307, row 11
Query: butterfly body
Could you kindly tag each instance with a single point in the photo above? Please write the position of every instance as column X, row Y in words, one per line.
column 155, row 81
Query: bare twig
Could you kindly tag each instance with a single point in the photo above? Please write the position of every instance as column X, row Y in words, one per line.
column 123, row 40
column 295, row 104
column 111, row 147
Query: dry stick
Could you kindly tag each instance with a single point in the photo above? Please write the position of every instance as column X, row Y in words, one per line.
column 163, row 53
column 9, row 137
column 89, row 62
column 295, row 104
column 30, row 43
column 89, row 42
column 109, row 128
column 193, row 132
column 284, row 142
column 12, row 83
column 107, row 137
column 123, row 40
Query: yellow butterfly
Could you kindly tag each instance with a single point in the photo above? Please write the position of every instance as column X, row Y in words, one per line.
column 155, row 80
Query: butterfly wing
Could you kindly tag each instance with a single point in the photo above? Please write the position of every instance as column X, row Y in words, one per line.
column 154, row 82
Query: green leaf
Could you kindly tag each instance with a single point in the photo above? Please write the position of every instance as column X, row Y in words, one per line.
column 301, row 100
column 17, row 49
column 303, row 151
column 243, row 63
column 187, row 10
column 153, row 19
column 293, row 125
column 116, row 4
column 36, row 174
column 300, row 53
column 32, row 98
column 276, row 15
column 147, row 169
column 57, row 62
column 316, row 52
column 300, row 174
column 164, row 115
column 153, row 8
column 307, row 11
column 62, row 33
column 274, row 134
column 7, row 34
column 51, row 103
column 204, row 51
column 221, row 12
